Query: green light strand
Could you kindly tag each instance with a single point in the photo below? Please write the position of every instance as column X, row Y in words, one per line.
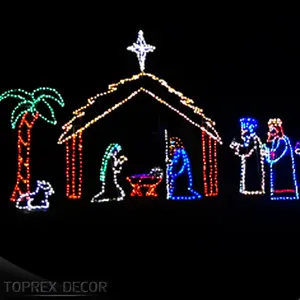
column 29, row 103
column 19, row 111
column 107, row 155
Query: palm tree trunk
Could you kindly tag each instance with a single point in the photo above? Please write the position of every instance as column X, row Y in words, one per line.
column 22, row 185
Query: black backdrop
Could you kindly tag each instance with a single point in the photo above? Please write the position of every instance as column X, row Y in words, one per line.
column 232, row 64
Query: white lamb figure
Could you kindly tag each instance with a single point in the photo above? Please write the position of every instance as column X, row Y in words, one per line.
column 42, row 187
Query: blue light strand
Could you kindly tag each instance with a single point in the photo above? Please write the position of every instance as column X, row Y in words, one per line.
column 274, row 147
column 185, row 168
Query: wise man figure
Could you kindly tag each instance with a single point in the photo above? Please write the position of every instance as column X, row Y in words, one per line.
column 250, row 151
column 280, row 156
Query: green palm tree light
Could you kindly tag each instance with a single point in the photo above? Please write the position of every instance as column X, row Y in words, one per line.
column 25, row 114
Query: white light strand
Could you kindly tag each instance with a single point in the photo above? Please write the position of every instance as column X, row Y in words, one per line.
column 258, row 146
column 42, row 187
column 141, row 49
column 157, row 172
column 116, row 168
column 167, row 163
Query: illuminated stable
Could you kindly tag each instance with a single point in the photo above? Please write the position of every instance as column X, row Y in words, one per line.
column 99, row 107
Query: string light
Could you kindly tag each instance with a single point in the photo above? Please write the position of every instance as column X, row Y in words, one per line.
column 27, row 113
column 280, row 147
column 80, row 147
column 297, row 148
column 28, row 103
column 141, row 49
column 251, row 145
column 67, row 169
column 215, row 166
column 110, row 155
column 141, row 181
column 23, row 170
column 41, row 187
column 204, row 164
column 167, row 161
column 73, row 186
column 210, row 168
column 178, row 153
column 79, row 113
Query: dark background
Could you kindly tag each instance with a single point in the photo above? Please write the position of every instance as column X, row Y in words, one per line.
column 233, row 64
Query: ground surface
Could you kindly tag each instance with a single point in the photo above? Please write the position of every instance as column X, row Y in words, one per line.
column 125, row 242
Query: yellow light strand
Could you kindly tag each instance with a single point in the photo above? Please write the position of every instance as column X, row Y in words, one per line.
column 113, row 87
column 124, row 101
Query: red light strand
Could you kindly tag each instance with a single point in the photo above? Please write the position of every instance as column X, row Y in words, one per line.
column 216, row 192
column 67, row 169
column 137, row 186
column 23, row 171
column 74, row 176
column 73, row 165
column 210, row 166
column 141, row 181
column 204, row 163
column 80, row 166
column 284, row 191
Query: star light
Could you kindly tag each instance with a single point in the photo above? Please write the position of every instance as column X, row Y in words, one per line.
column 141, row 49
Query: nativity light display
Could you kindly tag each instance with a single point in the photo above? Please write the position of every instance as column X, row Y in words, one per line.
column 26, row 113
column 179, row 172
column 176, row 174
column 148, row 182
column 111, row 159
column 72, row 132
column 277, row 151
column 280, row 156
column 251, row 153
column 26, row 201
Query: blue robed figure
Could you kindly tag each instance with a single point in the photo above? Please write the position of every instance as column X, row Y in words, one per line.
column 280, row 156
column 179, row 173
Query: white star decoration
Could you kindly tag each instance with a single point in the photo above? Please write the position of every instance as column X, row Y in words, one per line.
column 141, row 49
